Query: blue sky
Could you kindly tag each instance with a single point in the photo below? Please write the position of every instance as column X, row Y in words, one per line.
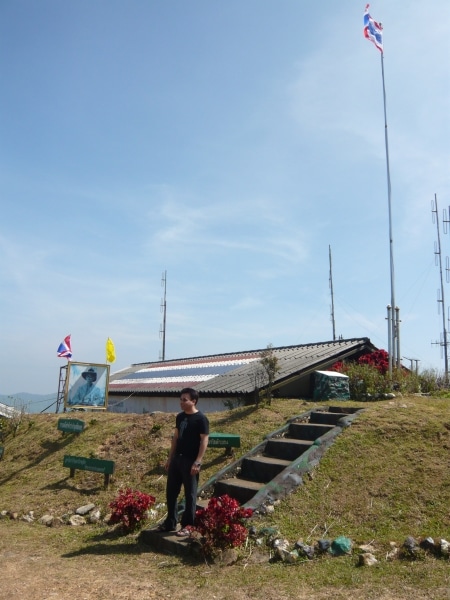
column 229, row 144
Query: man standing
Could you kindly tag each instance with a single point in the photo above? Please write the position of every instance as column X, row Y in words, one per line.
column 189, row 443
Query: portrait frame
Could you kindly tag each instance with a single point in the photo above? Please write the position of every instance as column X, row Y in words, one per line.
column 86, row 386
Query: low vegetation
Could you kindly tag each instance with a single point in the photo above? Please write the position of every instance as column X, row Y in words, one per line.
column 385, row 478
column 369, row 378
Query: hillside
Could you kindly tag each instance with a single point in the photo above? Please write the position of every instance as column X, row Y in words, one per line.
column 31, row 403
column 386, row 477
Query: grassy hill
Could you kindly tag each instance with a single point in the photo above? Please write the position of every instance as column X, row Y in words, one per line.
column 386, row 477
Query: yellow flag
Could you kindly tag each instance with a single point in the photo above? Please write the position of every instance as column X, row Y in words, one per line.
column 110, row 351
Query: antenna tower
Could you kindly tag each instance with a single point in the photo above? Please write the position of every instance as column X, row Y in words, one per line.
column 162, row 329
column 332, row 295
column 440, row 293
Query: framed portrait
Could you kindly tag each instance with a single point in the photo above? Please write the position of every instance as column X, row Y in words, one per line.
column 86, row 386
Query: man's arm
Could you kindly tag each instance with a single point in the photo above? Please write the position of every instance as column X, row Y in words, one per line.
column 204, row 437
column 173, row 446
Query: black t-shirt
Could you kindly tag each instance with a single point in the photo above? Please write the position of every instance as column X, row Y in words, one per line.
column 190, row 427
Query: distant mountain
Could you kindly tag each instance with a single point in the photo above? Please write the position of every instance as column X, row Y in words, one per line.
column 31, row 403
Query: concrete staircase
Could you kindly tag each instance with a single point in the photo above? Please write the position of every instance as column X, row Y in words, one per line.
column 271, row 470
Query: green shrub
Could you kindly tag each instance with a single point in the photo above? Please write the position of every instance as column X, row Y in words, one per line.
column 432, row 382
column 367, row 382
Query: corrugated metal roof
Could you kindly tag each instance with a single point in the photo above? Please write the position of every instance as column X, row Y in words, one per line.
column 234, row 373
column 8, row 411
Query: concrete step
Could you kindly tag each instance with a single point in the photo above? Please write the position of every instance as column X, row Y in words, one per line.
column 241, row 490
column 262, row 468
column 202, row 503
column 287, row 448
column 347, row 410
column 328, row 418
column 308, row 431
column 166, row 542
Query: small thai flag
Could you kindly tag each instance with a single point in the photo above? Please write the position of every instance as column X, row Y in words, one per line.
column 373, row 31
column 65, row 348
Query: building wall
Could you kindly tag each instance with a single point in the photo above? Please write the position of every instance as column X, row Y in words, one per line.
column 142, row 404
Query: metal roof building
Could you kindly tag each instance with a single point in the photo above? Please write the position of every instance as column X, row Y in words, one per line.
column 8, row 411
column 224, row 379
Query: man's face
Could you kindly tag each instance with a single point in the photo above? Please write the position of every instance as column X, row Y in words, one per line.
column 90, row 378
column 186, row 402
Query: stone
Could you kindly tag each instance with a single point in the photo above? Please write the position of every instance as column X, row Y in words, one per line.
column 280, row 543
column 366, row 547
column 252, row 532
column 323, row 545
column 410, row 545
column 27, row 518
column 226, row 557
column 367, row 559
column 84, row 510
column 427, row 543
column 305, row 549
column 46, row 520
column 269, row 531
column 95, row 516
column 77, row 520
column 341, row 545
column 411, row 549
column 257, row 557
column 286, row 555
column 394, row 552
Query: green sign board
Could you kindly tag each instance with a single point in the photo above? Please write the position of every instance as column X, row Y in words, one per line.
column 71, row 425
column 224, row 440
column 89, row 464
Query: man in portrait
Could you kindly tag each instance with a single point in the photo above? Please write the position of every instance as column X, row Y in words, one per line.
column 88, row 394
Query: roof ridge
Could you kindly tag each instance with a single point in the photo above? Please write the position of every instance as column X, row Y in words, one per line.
column 247, row 352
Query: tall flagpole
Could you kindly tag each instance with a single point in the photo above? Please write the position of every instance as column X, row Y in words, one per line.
column 373, row 31
column 393, row 359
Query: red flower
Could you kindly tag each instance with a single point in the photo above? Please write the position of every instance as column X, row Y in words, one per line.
column 130, row 508
column 378, row 359
column 221, row 524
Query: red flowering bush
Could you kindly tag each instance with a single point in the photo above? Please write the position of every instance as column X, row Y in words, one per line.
column 130, row 508
column 221, row 524
column 378, row 359
column 369, row 377
column 338, row 366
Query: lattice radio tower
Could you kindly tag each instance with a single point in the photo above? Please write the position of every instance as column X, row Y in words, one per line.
column 332, row 294
column 162, row 329
column 440, row 293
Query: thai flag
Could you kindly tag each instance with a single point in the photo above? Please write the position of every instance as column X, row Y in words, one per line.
column 65, row 348
column 373, row 31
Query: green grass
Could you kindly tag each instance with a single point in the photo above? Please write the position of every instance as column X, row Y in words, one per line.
column 386, row 477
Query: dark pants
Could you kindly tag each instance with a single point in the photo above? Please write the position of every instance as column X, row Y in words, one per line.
column 179, row 474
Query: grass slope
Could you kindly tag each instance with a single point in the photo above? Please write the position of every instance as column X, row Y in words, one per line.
column 385, row 478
